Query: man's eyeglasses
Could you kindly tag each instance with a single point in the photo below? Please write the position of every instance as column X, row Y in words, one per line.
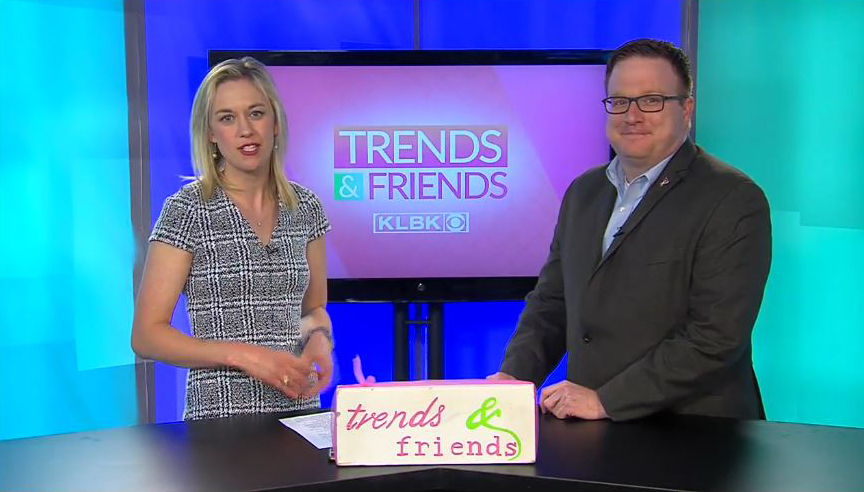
column 649, row 103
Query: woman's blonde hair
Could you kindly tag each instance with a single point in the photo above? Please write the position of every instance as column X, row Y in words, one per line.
column 205, row 157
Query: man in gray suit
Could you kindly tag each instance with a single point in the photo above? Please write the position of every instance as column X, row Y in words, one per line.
column 657, row 266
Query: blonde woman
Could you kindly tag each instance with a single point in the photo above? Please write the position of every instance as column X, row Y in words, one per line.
column 246, row 247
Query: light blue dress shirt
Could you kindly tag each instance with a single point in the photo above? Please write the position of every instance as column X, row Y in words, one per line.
column 629, row 194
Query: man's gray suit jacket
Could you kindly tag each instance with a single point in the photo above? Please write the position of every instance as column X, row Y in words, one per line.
column 662, row 320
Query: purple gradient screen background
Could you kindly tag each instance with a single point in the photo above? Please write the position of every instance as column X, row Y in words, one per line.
column 555, row 132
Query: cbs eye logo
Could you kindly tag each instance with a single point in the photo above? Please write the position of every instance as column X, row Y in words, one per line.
column 456, row 222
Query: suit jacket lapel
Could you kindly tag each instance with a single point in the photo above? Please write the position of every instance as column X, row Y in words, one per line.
column 674, row 172
column 588, row 226
column 600, row 211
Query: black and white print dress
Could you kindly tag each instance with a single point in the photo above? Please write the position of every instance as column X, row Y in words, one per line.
column 240, row 290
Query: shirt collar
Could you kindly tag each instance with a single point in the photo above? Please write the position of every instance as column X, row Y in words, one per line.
column 616, row 175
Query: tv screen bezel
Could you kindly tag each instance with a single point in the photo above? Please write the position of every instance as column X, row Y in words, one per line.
column 433, row 289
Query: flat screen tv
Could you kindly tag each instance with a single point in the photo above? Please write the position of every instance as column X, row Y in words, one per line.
column 441, row 171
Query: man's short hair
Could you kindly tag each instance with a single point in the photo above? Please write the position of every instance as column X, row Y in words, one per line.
column 653, row 48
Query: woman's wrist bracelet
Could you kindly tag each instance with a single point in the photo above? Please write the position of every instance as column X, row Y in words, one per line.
column 319, row 329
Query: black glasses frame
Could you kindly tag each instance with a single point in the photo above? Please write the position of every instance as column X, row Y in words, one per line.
column 631, row 100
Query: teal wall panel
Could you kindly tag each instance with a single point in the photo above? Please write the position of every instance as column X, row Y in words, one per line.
column 779, row 91
column 67, row 251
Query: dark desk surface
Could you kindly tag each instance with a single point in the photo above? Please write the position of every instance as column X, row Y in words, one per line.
column 259, row 453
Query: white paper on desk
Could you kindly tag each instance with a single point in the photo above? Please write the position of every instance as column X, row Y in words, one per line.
column 315, row 428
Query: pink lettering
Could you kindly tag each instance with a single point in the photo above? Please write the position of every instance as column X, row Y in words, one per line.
column 438, row 446
column 511, row 449
column 401, row 443
column 420, row 445
column 494, row 448
column 380, row 420
column 419, row 417
column 354, row 412
column 435, row 421
column 402, row 415
column 364, row 419
column 456, row 449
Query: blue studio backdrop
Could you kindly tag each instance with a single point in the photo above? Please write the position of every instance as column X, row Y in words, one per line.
column 68, row 251
column 179, row 35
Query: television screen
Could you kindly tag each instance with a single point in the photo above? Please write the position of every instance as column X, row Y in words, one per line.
column 441, row 172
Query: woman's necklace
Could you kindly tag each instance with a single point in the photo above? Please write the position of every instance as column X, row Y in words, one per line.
column 248, row 212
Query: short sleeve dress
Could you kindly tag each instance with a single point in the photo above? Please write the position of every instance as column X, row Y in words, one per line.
column 240, row 290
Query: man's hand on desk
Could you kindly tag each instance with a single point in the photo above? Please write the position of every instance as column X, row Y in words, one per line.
column 500, row 376
column 566, row 399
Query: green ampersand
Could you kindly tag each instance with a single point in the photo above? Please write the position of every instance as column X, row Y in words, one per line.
column 480, row 417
